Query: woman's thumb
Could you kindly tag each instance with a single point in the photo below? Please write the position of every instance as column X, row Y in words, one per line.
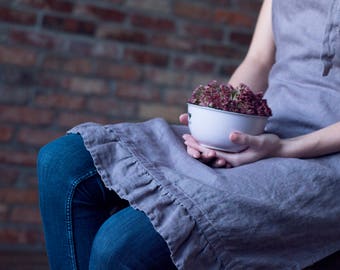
column 243, row 139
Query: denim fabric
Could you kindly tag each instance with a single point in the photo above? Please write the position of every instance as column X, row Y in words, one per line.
column 86, row 225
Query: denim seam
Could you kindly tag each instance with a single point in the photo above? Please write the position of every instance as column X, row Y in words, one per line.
column 68, row 214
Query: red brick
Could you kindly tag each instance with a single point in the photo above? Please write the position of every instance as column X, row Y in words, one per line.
column 16, row 16
column 25, row 214
column 192, row 11
column 87, row 86
column 240, row 38
column 177, row 96
column 168, row 78
column 94, row 48
column 22, row 236
column 55, row 5
column 146, row 57
column 222, row 51
column 9, row 175
column 72, row 65
column 137, row 92
column 158, row 24
column 70, row 119
column 61, row 6
column 17, row 56
column 222, row 2
column 115, row 2
column 36, row 39
column 78, row 66
column 14, row 77
column 249, row 6
column 202, row 32
column 27, row 178
column 107, row 50
column 30, row 181
column 111, row 107
column 165, row 41
column 75, row 84
column 228, row 70
column 59, row 101
column 19, row 196
column 118, row 71
column 148, row 6
column 49, row 79
column 70, row 25
column 194, row 64
column 37, row 137
column 121, row 34
column 18, row 158
column 234, row 18
column 3, row 212
column 104, row 14
column 6, row 133
column 25, row 115
column 152, row 110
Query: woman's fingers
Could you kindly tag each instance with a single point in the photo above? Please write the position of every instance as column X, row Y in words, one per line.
column 245, row 139
column 215, row 158
column 235, row 159
column 219, row 163
column 183, row 118
column 192, row 146
column 190, row 141
column 193, row 152
column 206, row 154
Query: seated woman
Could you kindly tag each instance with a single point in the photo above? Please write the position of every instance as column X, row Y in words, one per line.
column 134, row 196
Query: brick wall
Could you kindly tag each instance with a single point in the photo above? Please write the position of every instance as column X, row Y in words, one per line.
column 63, row 62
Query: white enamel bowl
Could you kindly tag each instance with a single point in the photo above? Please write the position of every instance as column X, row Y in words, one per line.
column 211, row 127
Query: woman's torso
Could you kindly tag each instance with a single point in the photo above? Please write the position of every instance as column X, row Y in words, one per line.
column 304, row 83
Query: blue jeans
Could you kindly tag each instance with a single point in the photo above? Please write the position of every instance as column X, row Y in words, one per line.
column 86, row 225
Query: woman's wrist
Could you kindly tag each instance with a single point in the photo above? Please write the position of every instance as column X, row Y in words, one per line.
column 283, row 149
column 304, row 146
column 290, row 148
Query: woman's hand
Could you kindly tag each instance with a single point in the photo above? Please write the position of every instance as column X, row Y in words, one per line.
column 258, row 147
column 204, row 154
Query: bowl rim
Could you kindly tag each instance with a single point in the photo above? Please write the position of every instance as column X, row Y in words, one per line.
column 227, row 112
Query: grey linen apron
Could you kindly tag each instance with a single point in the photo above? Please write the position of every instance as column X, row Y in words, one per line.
column 277, row 213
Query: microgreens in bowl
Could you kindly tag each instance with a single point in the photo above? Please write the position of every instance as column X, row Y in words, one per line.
column 240, row 99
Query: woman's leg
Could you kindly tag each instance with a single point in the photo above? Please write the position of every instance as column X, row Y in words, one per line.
column 92, row 204
column 73, row 201
column 75, row 205
column 128, row 241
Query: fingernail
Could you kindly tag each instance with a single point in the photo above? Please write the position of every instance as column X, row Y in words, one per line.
column 234, row 135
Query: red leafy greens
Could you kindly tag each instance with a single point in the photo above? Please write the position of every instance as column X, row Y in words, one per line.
column 240, row 99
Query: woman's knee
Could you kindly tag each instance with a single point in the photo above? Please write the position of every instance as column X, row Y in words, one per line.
column 63, row 158
column 127, row 240
column 112, row 241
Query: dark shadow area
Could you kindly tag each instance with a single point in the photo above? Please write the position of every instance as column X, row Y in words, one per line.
column 23, row 260
column 37, row 260
column 332, row 262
